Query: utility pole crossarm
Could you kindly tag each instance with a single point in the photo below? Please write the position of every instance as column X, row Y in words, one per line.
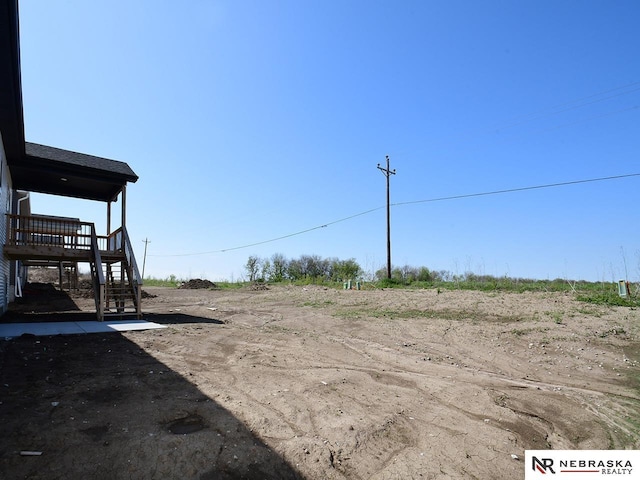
column 387, row 173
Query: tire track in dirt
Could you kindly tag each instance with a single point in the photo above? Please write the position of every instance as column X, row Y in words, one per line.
column 344, row 394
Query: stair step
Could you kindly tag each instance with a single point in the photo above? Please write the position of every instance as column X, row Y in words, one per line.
column 119, row 293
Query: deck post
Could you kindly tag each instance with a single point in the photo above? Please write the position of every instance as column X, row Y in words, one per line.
column 123, row 194
column 108, row 218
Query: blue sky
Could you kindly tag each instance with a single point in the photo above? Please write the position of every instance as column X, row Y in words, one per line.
column 252, row 120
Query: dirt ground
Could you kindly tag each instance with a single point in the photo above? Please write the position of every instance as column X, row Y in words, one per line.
column 316, row 383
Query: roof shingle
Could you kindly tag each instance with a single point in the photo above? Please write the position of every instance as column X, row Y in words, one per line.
column 44, row 152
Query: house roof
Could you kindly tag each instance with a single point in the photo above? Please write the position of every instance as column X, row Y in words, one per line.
column 55, row 171
column 11, row 120
column 39, row 168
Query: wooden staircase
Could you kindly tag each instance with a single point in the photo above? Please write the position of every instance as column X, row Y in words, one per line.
column 117, row 283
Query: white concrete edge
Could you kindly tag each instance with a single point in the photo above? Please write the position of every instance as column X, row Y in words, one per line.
column 13, row 330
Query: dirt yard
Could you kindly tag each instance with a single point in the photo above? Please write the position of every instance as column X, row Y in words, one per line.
column 315, row 383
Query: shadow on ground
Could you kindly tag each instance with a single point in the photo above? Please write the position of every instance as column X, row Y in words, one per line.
column 83, row 316
column 43, row 302
column 99, row 406
column 42, row 298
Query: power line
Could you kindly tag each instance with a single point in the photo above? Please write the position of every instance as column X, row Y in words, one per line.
column 571, row 105
column 508, row 123
column 521, row 189
column 429, row 200
column 272, row 239
column 586, row 119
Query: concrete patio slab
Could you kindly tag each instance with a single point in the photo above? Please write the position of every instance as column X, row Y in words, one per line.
column 12, row 330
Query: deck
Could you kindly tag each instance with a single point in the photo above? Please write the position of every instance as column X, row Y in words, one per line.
column 38, row 239
column 58, row 239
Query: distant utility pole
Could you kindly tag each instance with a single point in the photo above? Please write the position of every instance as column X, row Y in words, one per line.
column 387, row 173
column 144, row 259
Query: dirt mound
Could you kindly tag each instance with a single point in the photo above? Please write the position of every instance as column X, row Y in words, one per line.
column 41, row 298
column 43, row 275
column 198, row 283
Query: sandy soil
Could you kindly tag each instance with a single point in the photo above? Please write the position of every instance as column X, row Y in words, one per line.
column 315, row 383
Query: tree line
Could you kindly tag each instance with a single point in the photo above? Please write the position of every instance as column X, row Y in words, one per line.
column 278, row 268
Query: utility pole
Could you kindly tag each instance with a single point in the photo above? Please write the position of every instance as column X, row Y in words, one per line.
column 387, row 173
column 144, row 260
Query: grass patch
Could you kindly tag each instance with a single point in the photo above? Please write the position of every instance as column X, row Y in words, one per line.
column 589, row 311
column 445, row 314
column 230, row 285
column 519, row 332
column 556, row 316
column 170, row 281
column 607, row 297
column 597, row 293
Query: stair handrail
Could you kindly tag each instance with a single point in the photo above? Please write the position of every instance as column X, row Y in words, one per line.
column 131, row 259
column 99, row 281
column 96, row 255
column 134, row 273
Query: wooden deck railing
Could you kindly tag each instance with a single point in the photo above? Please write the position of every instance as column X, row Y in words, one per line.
column 36, row 231
column 26, row 230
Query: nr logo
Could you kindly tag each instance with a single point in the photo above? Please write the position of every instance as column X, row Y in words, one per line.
column 542, row 465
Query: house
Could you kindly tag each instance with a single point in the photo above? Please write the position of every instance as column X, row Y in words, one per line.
column 29, row 239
